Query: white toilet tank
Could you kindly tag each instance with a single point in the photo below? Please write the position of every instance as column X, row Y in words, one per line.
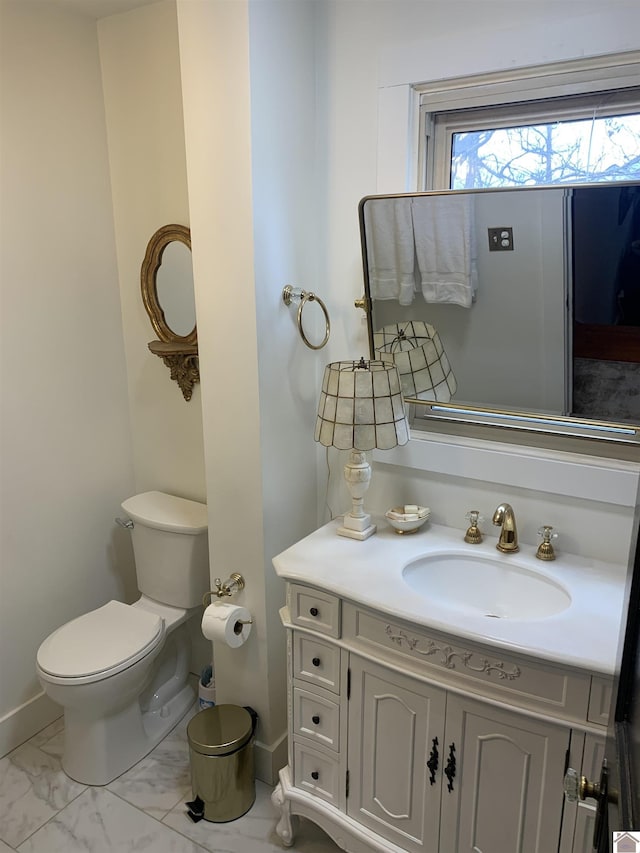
column 170, row 547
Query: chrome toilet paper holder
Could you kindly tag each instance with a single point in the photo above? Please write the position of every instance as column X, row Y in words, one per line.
column 224, row 589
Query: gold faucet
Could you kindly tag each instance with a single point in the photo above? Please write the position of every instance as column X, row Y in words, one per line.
column 508, row 539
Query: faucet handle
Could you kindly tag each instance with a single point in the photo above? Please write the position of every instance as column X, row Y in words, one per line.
column 473, row 535
column 545, row 549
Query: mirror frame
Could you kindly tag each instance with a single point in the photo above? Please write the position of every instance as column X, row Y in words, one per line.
column 432, row 411
column 179, row 352
column 148, row 279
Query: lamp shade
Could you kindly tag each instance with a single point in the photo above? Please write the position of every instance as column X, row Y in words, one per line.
column 416, row 350
column 361, row 407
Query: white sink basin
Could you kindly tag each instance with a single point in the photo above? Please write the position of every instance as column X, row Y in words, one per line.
column 495, row 588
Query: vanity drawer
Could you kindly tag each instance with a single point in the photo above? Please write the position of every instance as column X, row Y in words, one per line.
column 522, row 681
column 317, row 773
column 317, row 718
column 600, row 700
column 314, row 609
column 316, row 662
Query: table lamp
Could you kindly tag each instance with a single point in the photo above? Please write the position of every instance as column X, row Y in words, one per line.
column 361, row 408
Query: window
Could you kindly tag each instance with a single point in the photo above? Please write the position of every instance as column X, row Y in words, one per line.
column 553, row 142
column 559, row 124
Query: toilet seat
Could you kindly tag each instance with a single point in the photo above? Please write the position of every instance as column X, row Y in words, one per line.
column 100, row 644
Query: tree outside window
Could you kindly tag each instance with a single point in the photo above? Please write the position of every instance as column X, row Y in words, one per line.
column 559, row 152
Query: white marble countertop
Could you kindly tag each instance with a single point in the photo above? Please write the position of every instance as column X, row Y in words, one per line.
column 585, row 635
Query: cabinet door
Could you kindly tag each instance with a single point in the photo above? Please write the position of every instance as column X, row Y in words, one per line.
column 395, row 739
column 507, row 791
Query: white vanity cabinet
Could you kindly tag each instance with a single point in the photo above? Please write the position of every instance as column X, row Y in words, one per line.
column 406, row 740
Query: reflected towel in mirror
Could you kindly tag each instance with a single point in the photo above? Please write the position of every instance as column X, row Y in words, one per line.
column 444, row 235
column 390, row 250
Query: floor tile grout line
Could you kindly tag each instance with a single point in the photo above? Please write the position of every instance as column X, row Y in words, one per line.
column 163, row 824
column 47, row 757
column 53, row 816
column 138, row 808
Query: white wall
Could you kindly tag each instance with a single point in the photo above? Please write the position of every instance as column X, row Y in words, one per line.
column 288, row 222
column 145, row 130
column 66, row 444
column 143, row 104
column 248, row 78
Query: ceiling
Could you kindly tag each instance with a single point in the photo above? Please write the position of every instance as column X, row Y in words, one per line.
column 101, row 8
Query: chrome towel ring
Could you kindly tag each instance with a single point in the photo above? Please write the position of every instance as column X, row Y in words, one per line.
column 295, row 294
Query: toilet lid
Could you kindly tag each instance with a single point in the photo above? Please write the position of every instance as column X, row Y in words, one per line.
column 110, row 638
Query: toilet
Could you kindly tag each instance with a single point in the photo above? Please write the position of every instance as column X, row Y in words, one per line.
column 120, row 672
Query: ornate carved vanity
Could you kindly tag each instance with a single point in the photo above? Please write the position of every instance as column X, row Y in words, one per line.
column 407, row 737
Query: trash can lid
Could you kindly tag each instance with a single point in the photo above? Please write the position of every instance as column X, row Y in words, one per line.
column 220, row 730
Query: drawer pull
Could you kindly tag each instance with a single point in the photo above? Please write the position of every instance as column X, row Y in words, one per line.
column 315, row 775
column 450, row 769
column 314, row 611
column 316, row 661
column 432, row 763
column 315, row 720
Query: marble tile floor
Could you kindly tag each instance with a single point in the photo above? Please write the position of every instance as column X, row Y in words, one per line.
column 43, row 811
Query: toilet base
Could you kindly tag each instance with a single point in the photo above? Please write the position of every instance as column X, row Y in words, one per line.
column 97, row 751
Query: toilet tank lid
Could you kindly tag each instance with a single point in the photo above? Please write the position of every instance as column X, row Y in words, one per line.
column 167, row 512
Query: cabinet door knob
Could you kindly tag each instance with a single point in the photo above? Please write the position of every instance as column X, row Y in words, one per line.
column 315, row 720
column 315, row 775
column 314, row 611
column 316, row 661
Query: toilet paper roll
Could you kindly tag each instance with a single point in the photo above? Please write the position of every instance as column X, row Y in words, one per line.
column 226, row 623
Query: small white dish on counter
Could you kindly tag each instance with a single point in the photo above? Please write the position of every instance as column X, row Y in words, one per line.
column 408, row 518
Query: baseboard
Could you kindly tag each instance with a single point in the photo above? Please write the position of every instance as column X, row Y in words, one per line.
column 28, row 719
column 270, row 759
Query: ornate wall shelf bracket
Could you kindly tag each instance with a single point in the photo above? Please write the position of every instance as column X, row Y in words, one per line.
column 447, row 654
column 182, row 361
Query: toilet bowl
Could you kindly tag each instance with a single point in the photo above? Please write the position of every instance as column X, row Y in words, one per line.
column 120, row 672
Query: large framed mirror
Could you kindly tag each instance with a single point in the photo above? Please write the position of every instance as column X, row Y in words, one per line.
column 514, row 307
column 168, row 295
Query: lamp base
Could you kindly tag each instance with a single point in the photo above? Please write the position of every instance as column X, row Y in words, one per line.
column 357, row 528
column 357, row 473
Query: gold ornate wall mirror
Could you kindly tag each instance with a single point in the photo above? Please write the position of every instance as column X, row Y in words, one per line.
column 168, row 297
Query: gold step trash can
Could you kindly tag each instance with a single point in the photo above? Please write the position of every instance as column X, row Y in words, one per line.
column 222, row 763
